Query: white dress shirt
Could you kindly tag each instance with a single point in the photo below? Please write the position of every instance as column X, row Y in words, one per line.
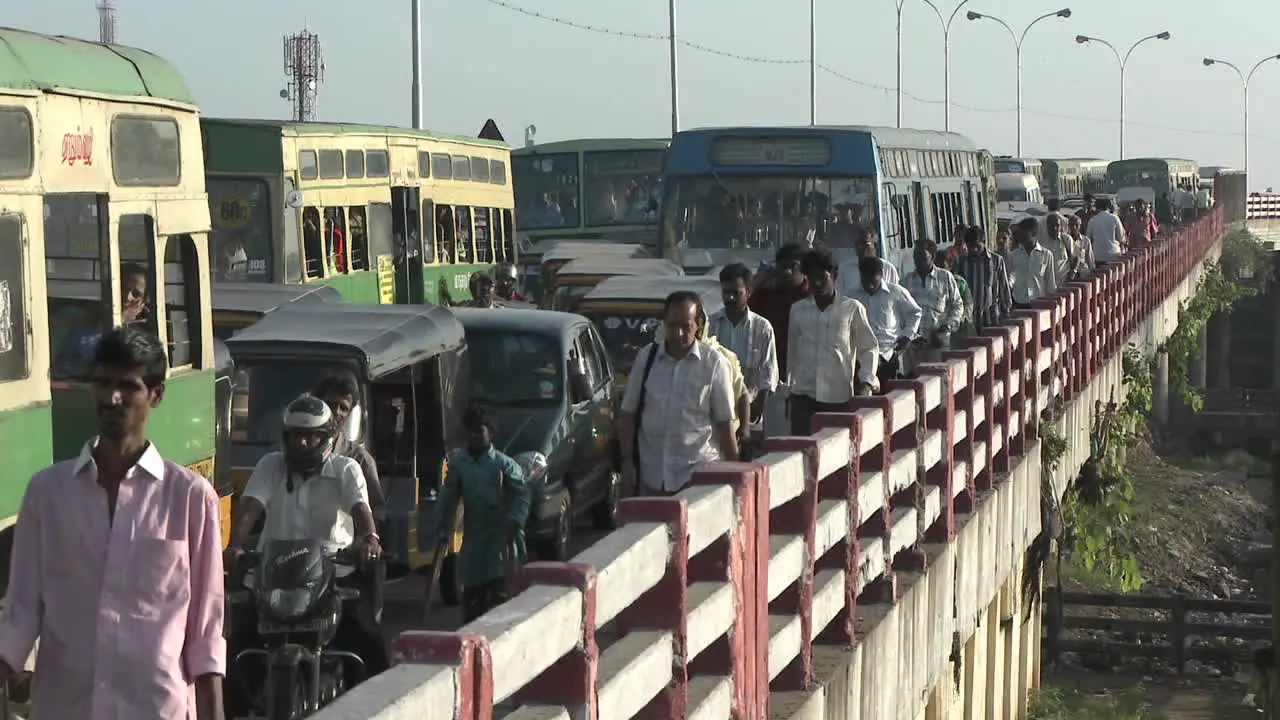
column 1063, row 255
column 849, row 278
column 938, row 295
column 893, row 314
column 825, row 345
column 683, row 400
column 1105, row 233
column 1031, row 273
column 752, row 340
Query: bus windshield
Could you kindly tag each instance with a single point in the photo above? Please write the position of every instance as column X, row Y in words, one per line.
column 717, row 212
column 623, row 187
column 1010, row 166
column 240, row 243
column 546, row 188
column 1013, row 195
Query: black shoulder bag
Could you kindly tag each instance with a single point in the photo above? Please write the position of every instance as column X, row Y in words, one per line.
column 644, row 380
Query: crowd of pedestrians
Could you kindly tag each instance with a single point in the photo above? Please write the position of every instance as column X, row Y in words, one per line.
column 821, row 333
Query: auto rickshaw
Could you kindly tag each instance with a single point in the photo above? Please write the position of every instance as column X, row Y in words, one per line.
column 237, row 305
column 626, row 311
column 540, row 270
column 410, row 364
column 576, row 278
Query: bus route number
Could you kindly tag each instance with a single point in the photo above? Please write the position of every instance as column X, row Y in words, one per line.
column 234, row 212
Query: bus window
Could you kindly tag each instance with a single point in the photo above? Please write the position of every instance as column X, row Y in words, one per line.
column 479, row 169
column 497, row 172
column 335, row 237
column 424, row 164
column 241, row 237
column 331, row 165
column 508, row 235
column 441, row 166
column 77, row 246
column 430, row 249
column 484, row 237
column 355, row 164
column 939, row 221
column 380, row 229
column 14, row 362
column 376, row 164
column 622, row 186
column 445, row 233
column 546, row 189
column 495, row 231
column 463, row 252
column 359, row 239
column 145, row 151
column 308, row 168
column 16, row 143
column 312, row 246
column 461, row 168
column 182, row 301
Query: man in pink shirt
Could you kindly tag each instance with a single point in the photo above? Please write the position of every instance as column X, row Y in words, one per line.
column 117, row 565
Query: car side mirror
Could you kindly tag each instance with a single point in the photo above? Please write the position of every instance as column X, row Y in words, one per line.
column 579, row 385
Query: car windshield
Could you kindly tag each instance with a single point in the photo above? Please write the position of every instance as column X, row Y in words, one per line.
column 515, row 368
column 624, row 335
column 1013, row 195
column 721, row 212
column 264, row 389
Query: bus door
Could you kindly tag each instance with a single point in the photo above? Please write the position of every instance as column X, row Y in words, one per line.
column 406, row 228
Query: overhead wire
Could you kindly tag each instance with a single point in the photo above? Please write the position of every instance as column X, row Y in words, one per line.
column 834, row 72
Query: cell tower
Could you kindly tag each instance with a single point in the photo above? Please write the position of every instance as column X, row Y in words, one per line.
column 304, row 65
column 107, row 22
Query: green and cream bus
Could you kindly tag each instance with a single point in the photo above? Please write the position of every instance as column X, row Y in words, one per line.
column 101, row 184
column 337, row 204
column 587, row 189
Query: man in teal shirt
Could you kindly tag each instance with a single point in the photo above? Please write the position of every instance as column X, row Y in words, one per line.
column 495, row 497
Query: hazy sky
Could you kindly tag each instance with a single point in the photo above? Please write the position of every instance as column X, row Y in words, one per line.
column 482, row 60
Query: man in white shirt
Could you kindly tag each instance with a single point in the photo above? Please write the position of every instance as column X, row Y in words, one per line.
column 935, row 290
column 678, row 407
column 848, row 272
column 307, row 492
column 748, row 336
column 1106, row 233
column 831, row 346
column 1031, row 266
column 1054, row 239
column 1081, row 248
column 892, row 312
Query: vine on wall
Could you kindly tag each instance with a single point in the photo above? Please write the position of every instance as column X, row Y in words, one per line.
column 1097, row 516
column 1244, row 268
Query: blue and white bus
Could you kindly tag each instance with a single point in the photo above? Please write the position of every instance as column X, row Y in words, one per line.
column 737, row 194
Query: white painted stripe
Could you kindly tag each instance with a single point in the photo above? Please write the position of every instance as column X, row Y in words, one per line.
column 872, row 493
column 835, row 450
column 712, row 514
column 902, row 470
column 959, row 478
column 710, row 612
column 932, row 391
column 832, row 527
column 902, row 531
column 931, row 448
column 828, row 600
column 787, row 562
column 931, row 511
column 710, row 698
column 628, row 562
column 871, row 561
column 632, row 671
column 872, row 433
column 903, row 405
column 528, row 634
column 400, row 693
column 787, row 473
column 784, row 642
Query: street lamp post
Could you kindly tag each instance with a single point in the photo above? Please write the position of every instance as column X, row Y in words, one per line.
column 813, row 62
column 946, row 59
column 1244, row 82
column 675, row 76
column 899, row 4
column 1017, row 47
column 1124, row 63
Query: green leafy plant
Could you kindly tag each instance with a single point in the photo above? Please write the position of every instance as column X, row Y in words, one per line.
column 1243, row 269
column 1054, row 703
column 1097, row 515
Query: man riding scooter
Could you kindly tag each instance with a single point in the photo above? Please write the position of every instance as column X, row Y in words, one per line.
column 307, row 492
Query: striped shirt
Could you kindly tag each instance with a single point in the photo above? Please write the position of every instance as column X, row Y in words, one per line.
column 988, row 281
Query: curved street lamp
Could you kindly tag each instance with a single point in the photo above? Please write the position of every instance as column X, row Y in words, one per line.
column 1244, row 82
column 1017, row 46
column 946, row 58
column 1124, row 62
